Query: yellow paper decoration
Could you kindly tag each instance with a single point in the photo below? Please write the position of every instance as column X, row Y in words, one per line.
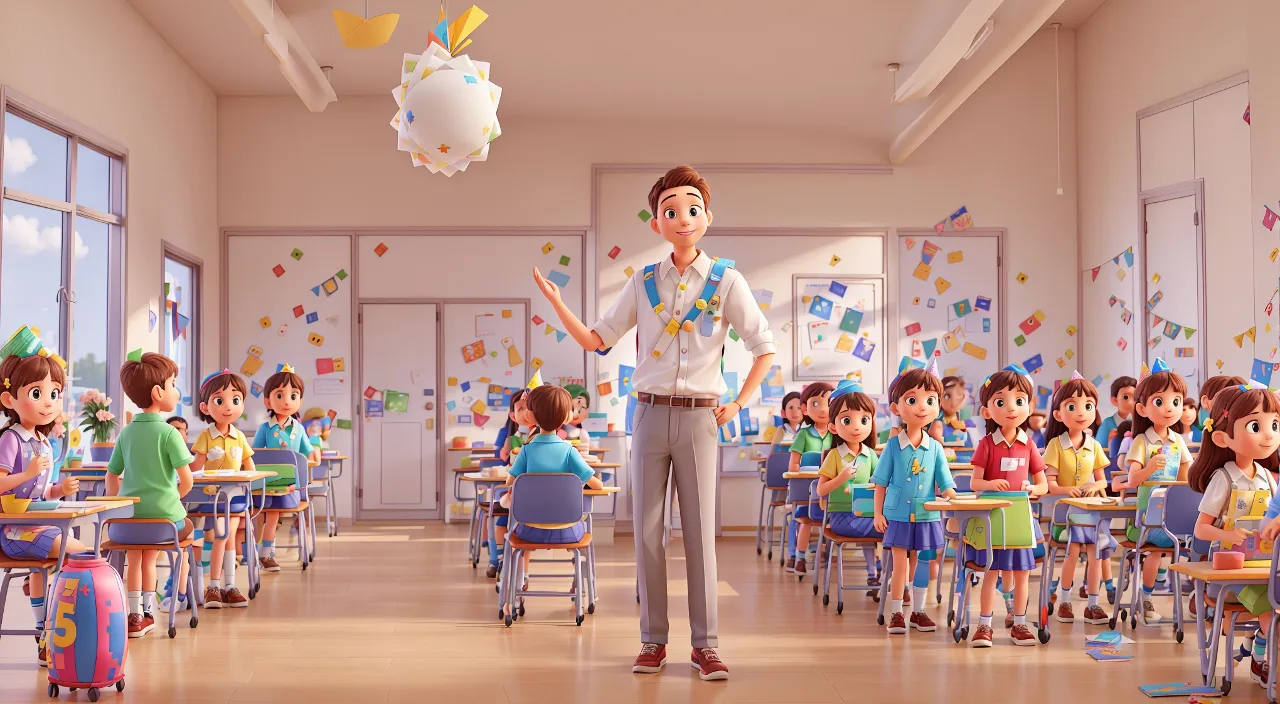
column 360, row 33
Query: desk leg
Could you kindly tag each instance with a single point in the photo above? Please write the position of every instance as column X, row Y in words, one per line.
column 1215, row 635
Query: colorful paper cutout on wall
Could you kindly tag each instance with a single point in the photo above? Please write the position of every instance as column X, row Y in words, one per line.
column 982, row 303
column 941, row 285
column 473, row 352
column 277, row 270
column 315, row 339
column 955, row 257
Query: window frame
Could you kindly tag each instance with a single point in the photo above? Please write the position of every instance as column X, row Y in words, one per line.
column 13, row 102
column 168, row 252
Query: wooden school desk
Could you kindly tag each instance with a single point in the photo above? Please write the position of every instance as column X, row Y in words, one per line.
column 962, row 510
column 220, row 487
column 1095, row 509
column 70, row 514
column 1231, row 581
column 484, row 488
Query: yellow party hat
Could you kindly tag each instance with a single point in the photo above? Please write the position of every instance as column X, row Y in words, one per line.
column 535, row 381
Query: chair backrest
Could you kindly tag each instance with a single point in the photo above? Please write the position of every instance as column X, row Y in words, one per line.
column 547, row 498
column 283, row 462
column 775, row 467
column 964, row 483
column 1181, row 511
column 1273, row 583
column 811, row 459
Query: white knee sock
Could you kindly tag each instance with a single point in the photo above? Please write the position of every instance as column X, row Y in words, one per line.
column 135, row 602
column 229, row 568
column 148, row 602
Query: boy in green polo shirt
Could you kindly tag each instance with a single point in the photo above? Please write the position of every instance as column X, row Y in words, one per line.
column 158, row 474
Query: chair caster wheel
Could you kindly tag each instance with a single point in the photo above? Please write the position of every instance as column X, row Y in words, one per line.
column 1225, row 687
column 956, row 635
column 759, row 551
column 521, row 609
column 879, row 620
column 304, row 567
column 1178, row 636
column 815, row 589
column 1044, row 635
column 502, row 613
column 53, row 691
column 964, row 633
column 951, row 619
column 579, row 620
column 826, row 599
column 94, row 694
column 591, row 608
column 1133, row 623
column 193, row 622
column 839, row 607
column 173, row 632
column 939, row 599
column 120, row 686
column 508, row 621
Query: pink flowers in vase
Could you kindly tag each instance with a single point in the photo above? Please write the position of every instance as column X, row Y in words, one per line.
column 97, row 417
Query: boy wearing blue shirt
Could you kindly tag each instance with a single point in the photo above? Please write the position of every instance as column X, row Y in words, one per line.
column 1122, row 394
column 548, row 453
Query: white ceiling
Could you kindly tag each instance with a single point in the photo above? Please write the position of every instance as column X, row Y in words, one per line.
column 742, row 62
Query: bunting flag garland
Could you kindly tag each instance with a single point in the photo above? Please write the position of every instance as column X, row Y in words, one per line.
column 1127, row 255
column 1251, row 333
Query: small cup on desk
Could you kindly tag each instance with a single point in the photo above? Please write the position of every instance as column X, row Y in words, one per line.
column 9, row 503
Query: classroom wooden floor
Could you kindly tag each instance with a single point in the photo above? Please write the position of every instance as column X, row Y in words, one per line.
column 396, row 614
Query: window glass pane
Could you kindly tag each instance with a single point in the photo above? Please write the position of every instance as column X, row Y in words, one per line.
column 93, row 179
column 35, row 159
column 89, row 318
column 31, row 270
column 178, row 331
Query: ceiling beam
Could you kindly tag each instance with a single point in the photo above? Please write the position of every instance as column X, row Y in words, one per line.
column 949, row 51
column 1003, row 45
column 296, row 63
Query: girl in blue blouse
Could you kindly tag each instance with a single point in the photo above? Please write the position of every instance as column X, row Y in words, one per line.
column 283, row 430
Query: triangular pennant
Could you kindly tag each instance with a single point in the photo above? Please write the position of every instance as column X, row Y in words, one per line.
column 1156, row 320
column 1251, row 332
column 1096, row 269
column 560, row 335
column 1128, row 256
column 316, row 290
column 1188, row 332
column 1239, row 340
column 929, row 346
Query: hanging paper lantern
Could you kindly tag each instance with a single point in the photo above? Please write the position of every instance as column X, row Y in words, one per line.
column 448, row 106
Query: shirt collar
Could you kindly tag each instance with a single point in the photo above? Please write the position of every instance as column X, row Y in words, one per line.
column 700, row 264
column 289, row 422
column 1153, row 439
column 1233, row 471
column 27, row 435
column 1064, row 441
column 545, row 437
column 847, row 454
column 998, row 437
column 904, row 443
column 231, row 432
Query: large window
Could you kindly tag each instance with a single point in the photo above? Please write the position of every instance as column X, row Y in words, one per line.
column 179, row 330
column 61, row 244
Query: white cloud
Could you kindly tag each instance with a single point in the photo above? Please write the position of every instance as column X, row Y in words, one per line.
column 18, row 155
column 25, row 234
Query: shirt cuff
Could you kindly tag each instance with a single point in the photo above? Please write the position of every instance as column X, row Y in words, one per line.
column 608, row 337
column 761, row 344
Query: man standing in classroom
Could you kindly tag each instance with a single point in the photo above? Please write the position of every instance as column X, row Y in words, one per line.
column 682, row 308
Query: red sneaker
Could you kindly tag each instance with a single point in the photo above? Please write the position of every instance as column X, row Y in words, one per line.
column 651, row 659
column 921, row 622
column 800, row 567
column 708, row 664
column 1258, row 672
column 1021, row 635
column 981, row 638
column 897, row 624
column 140, row 625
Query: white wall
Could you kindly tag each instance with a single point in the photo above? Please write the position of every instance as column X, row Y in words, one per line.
column 1264, row 83
column 1133, row 54
column 100, row 64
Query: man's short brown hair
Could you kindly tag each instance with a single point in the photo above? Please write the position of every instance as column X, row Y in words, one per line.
column 139, row 378
column 675, row 178
column 551, row 406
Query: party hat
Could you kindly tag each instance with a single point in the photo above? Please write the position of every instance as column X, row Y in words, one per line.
column 933, row 368
column 1016, row 368
column 1075, row 374
column 22, row 343
column 284, row 367
column 1159, row 365
column 1144, row 372
column 535, row 381
column 846, row 386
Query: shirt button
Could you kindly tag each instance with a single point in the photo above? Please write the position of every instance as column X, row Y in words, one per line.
column 684, row 351
column 677, row 311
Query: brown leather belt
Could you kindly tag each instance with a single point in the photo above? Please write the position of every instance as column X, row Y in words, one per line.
column 677, row 401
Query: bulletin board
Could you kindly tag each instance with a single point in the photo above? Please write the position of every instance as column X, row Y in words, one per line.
column 486, row 360
column 839, row 329
column 949, row 302
column 289, row 300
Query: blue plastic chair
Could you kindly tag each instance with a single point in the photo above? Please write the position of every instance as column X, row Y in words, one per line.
column 302, row 512
column 774, row 486
column 546, row 500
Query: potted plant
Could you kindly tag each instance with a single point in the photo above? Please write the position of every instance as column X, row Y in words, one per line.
column 98, row 419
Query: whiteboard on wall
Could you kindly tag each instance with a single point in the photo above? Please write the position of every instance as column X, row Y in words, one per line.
column 264, row 329
column 839, row 329
column 949, row 303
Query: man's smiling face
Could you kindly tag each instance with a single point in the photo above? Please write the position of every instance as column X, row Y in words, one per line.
column 682, row 218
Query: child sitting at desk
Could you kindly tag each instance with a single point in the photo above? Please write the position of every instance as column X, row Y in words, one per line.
column 1233, row 471
column 1122, row 393
column 549, row 453
column 283, row 396
column 518, row 430
column 815, row 437
column 572, row 430
column 318, row 426
column 850, row 462
column 1191, row 421
column 792, row 418
column 32, row 401
column 180, row 424
column 159, row 474
column 220, row 447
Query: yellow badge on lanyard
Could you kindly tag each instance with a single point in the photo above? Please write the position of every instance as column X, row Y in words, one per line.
column 916, row 467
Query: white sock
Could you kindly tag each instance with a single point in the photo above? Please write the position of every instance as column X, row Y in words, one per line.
column 1093, row 600
column 135, row 602
column 215, row 583
column 1064, row 593
column 229, row 569
column 1020, row 620
column 918, row 597
column 895, row 606
column 148, row 602
column 985, row 620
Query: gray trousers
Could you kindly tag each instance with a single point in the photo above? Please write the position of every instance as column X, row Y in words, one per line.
column 681, row 444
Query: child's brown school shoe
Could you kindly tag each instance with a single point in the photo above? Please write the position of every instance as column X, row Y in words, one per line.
column 1021, row 635
column 791, row 564
column 140, row 625
column 800, row 568
column 708, row 664
column 981, row 638
column 42, row 653
column 269, row 564
column 651, row 659
column 212, row 598
column 1065, row 614
column 897, row 624
column 232, row 598
column 921, row 622
column 1094, row 615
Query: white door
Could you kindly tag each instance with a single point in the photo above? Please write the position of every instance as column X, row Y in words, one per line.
column 398, row 424
column 1173, row 251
